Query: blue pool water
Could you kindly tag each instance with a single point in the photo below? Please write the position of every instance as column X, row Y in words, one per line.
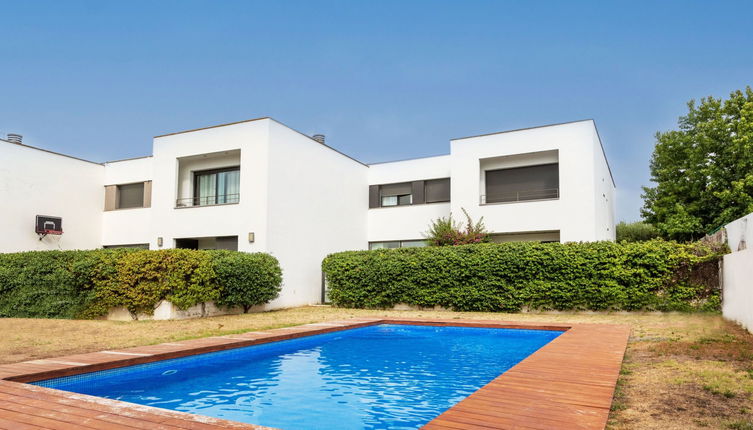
column 377, row 377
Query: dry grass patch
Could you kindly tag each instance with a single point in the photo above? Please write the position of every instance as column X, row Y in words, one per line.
column 681, row 371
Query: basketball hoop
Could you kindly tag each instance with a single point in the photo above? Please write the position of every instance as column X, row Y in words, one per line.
column 48, row 225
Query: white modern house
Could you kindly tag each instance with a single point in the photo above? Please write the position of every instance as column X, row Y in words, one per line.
column 260, row 186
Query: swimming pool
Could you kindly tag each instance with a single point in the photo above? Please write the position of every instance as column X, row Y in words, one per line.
column 381, row 376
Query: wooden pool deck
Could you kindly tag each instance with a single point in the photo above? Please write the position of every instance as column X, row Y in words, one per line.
column 567, row 384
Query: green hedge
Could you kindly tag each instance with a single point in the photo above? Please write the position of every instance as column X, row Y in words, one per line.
column 75, row 284
column 653, row 275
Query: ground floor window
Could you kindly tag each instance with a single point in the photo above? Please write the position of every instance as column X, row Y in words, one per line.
column 528, row 236
column 130, row 245
column 219, row 242
column 391, row 244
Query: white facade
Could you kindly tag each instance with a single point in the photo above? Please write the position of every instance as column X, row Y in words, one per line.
column 737, row 273
column 35, row 182
column 300, row 200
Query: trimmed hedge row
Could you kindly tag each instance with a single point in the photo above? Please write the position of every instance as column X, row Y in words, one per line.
column 652, row 275
column 86, row 284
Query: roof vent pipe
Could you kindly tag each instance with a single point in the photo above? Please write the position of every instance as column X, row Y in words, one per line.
column 319, row 138
column 15, row 138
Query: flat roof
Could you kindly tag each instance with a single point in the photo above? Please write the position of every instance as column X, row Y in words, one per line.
column 213, row 126
column 128, row 159
column 524, row 128
column 23, row 145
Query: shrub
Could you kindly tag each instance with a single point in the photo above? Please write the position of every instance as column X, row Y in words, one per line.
column 247, row 279
column 141, row 279
column 68, row 284
column 37, row 285
column 446, row 231
column 638, row 231
column 654, row 275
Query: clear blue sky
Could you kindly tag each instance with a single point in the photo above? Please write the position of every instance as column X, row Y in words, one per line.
column 383, row 79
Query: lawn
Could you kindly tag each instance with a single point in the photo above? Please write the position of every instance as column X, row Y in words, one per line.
column 681, row 371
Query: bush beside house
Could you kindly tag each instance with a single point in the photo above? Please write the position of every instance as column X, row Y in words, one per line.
column 652, row 275
column 74, row 284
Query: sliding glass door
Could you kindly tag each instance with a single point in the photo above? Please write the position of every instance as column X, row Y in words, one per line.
column 217, row 187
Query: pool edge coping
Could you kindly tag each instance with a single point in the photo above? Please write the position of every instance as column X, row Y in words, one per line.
column 514, row 399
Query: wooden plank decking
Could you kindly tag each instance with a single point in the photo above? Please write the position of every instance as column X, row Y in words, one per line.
column 567, row 384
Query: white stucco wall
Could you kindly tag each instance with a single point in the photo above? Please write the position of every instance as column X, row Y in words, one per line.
column 737, row 281
column 249, row 215
column 406, row 222
column 737, row 272
column 317, row 204
column 36, row 182
column 573, row 214
column 740, row 233
column 133, row 225
column 604, row 193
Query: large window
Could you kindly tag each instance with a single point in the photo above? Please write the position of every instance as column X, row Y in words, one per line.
column 397, row 244
column 130, row 196
column 217, row 187
column 409, row 193
column 396, row 194
column 522, row 184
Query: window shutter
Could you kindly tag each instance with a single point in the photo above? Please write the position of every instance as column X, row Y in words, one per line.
column 148, row 194
column 111, row 197
column 396, row 189
column 373, row 196
column 418, row 192
column 522, row 183
column 438, row 190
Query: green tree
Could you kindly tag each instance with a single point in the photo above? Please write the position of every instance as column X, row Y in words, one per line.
column 638, row 231
column 703, row 172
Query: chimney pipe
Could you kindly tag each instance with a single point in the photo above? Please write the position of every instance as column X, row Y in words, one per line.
column 319, row 138
column 15, row 138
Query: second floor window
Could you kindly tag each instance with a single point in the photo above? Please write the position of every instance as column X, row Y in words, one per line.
column 410, row 193
column 217, row 187
column 130, row 196
column 396, row 194
column 518, row 184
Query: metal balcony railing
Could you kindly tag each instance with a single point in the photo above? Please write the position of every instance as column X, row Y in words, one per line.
column 224, row 199
column 521, row 196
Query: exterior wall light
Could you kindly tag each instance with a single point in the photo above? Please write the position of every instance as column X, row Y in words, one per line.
column 159, row 241
column 251, row 237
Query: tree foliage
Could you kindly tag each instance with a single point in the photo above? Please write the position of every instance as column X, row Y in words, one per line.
column 638, row 231
column 703, row 172
column 446, row 231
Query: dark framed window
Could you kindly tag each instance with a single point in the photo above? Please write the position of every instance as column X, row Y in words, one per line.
column 130, row 196
column 217, row 186
column 522, row 184
column 396, row 194
column 437, row 190
column 131, row 245
column 409, row 193
column 393, row 244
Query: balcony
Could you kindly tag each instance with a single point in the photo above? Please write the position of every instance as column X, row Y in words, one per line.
column 208, row 179
column 519, row 178
column 520, row 196
column 225, row 199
